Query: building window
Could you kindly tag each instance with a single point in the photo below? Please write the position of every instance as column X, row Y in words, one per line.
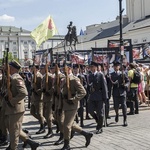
column 14, row 43
column 15, row 54
column 14, row 48
column 33, row 43
column 25, row 43
column 25, row 55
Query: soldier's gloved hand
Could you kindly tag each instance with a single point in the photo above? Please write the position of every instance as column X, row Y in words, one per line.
column 44, row 90
column 70, row 101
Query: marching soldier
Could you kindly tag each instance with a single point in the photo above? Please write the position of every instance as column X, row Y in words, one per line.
column 3, row 130
column 120, row 83
column 59, row 113
column 15, row 108
column 98, row 95
column 36, row 99
column 77, row 72
column 47, row 88
column 72, row 92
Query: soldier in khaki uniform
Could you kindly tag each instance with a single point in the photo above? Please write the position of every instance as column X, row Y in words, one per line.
column 3, row 130
column 58, row 113
column 15, row 108
column 47, row 88
column 37, row 100
column 71, row 97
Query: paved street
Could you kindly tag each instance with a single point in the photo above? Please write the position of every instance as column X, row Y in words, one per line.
column 115, row 137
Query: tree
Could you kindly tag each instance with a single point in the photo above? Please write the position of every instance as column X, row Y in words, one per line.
column 10, row 58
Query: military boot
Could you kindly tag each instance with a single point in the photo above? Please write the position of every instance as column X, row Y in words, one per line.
column 3, row 141
column 60, row 140
column 99, row 125
column 125, row 121
column 87, row 136
column 49, row 134
column 66, row 145
column 41, row 130
column 32, row 144
column 117, row 117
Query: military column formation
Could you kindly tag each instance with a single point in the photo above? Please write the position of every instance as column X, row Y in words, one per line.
column 59, row 95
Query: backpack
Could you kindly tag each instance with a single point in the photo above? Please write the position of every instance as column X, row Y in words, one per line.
column 136, row 77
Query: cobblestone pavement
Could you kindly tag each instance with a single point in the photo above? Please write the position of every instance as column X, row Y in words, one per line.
column 114, row 137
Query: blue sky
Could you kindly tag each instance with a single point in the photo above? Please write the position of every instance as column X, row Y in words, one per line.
column 28, row 14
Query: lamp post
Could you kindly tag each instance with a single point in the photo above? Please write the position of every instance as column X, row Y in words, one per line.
column 120, row 23
column 121, row 38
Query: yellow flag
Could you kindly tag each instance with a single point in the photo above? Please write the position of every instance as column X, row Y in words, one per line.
column 44, row 31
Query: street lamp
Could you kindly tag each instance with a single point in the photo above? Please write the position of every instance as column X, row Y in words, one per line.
column 120, row 23
column 121, row 38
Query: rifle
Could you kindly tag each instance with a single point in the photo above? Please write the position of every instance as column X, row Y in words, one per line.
column 34, row 74
column 9, row 94
column 57, row 79
column 46, row 69
column 67, row 82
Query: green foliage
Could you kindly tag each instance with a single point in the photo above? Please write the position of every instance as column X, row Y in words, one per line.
column 10, row 58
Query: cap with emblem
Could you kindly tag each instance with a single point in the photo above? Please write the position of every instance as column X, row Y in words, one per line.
column 116, row 63
column 15, row 64
column 68, row 64
column 42, row 66
column 75, row 66
column 93, row 64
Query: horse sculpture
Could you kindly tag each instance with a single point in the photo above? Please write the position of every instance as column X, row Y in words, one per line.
column 71, row 37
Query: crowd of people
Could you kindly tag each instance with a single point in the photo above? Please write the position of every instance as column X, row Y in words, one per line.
column 65, row 95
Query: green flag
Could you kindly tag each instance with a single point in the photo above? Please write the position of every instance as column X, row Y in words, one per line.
column 44, row 31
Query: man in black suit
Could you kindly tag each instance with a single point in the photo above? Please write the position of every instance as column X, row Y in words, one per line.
column 120, row 82
column 98, row 95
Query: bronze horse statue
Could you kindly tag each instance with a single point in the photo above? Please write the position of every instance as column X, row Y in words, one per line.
column 71, row 37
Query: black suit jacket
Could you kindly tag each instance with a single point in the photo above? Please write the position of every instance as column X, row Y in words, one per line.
column 99, row 84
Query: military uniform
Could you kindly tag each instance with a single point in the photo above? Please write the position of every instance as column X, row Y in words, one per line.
column 15, row 110
column 83, row 81
column 37, row 102
column 70, row 107
column 98, row 95
column 119, row 93
column 47, row 88
column 58, row 112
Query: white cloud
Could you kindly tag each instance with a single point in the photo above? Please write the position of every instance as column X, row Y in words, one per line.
column 6, row 18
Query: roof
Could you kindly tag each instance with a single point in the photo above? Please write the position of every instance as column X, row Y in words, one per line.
column 12, row 29
column 111, row 31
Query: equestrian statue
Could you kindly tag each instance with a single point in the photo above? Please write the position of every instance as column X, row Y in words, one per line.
column 71, row 36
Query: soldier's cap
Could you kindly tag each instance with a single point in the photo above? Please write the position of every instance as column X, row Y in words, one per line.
column 82, row 66
column 76, row 66
column 68, row 64
column 42, row 66
column 93, row 64
column 52, row 66
column 116, row 63
column 15, row 64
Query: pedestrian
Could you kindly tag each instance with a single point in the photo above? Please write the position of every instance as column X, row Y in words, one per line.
column 133, row 89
